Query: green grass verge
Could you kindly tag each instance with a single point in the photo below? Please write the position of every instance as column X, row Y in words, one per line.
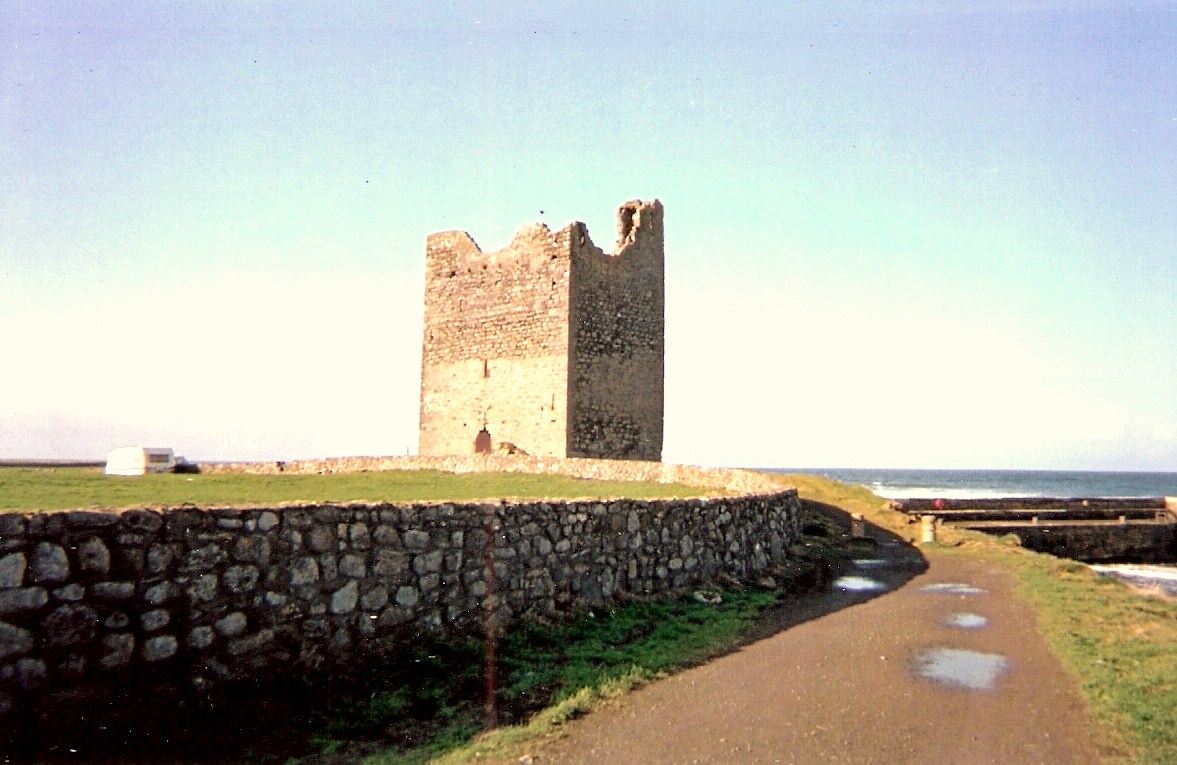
column 547, row 675
column 1123, row 648
column 27, row 489
column 1120, row 646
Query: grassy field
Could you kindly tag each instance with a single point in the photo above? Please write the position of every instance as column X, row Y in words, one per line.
column 24, row 489
column 1121, row 647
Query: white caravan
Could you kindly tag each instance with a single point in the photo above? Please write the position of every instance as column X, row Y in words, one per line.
column 137, row 460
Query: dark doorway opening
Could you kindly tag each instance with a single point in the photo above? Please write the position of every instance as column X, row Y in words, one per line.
column 482, row 442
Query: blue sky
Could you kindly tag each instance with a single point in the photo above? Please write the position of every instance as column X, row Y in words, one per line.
column 898, row 235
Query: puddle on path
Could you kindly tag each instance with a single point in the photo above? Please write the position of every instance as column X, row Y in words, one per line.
column 958, row 668
column 952, row 588
column 858, row 584
column 870, row 562
column 966, row 621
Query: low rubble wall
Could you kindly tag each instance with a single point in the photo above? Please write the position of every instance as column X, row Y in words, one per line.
column 726, row 479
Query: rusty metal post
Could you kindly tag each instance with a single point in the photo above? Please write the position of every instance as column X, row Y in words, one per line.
column 490, row 606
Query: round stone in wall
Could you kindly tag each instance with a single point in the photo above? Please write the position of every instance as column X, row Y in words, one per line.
column 14, row 640
column 12, row 570
column 71, row 624
column 49, row 563
column 93, row 556
column 232, row 624
column 160, row 648
column 344, row 600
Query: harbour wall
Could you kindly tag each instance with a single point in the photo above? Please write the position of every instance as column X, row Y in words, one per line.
column 1094, row 530
column 1140, row 542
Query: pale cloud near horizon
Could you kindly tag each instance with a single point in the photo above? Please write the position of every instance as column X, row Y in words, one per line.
column 837, row 388
column 248, row 368
column 254, row 367
column 239, row 368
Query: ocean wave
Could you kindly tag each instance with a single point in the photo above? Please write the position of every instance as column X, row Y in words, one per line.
column 1141, row 575
column 1138, row 571
column 901, row 484
column 945, row 492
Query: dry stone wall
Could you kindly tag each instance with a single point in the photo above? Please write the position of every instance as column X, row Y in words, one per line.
column 198, row 597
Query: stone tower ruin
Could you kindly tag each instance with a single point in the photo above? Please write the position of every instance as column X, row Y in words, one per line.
column 549, row 346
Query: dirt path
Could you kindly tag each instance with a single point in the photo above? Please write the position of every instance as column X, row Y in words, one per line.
column 846, row 687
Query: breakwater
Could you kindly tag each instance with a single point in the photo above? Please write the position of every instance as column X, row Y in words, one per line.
column 177, row 602
column 1094, row 529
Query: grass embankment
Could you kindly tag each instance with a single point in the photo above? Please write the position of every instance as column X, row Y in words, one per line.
column 547, row 675
column 1121, row 646
column 25, row 489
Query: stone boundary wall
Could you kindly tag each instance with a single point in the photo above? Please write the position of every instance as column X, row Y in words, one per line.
column 198, row 597
column 732, row 480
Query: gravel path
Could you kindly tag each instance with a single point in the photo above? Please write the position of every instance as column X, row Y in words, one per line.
column 858, row 684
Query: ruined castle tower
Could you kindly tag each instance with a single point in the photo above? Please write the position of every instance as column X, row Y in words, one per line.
column 549, row 345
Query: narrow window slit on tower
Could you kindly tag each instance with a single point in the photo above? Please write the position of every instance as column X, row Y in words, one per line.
column 486, row 367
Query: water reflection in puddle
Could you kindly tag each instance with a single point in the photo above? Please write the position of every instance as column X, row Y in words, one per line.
column 858, row 584
column 870, row 562
column 958, row 668
column 966, row 621
column 952, row 588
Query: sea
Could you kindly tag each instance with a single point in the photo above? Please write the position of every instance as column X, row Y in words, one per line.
column 992, row 484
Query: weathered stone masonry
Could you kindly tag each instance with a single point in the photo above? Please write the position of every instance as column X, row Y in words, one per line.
column 207, row 595
column 549, row 344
